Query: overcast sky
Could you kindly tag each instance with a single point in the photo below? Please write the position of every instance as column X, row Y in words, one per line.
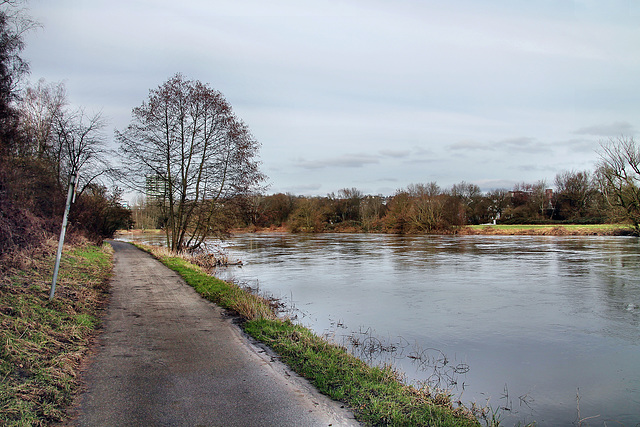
column 369, row 94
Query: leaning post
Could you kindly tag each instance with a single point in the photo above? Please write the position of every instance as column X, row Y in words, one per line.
column 70, row 198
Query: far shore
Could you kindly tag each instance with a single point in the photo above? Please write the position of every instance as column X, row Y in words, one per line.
column 550, row 229
column 483, row 229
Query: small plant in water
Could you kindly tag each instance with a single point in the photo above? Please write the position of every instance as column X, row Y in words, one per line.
column 579, row 420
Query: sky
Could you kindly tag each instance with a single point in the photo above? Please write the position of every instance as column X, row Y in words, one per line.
column 368, row 94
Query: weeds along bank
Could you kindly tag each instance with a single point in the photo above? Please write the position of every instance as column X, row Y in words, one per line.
column 42, row 342
column 376, row 395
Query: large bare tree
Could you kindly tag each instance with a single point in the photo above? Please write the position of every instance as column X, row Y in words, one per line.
column 618, row 175
column 13, row 25
column 79, row 145
column 186, row 141
column 576, row 196
column 40, row 107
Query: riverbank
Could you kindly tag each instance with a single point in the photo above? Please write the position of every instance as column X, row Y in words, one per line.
column 376, row 395
column 443, row 292
column 44, row 342
column 548, row 230
column 490, row 229
column 482, row 229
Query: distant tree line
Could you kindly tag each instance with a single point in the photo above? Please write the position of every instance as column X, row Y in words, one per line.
column 429, row 208
column 609, row 194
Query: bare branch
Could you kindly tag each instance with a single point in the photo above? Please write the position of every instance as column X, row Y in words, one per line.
column 187, row 137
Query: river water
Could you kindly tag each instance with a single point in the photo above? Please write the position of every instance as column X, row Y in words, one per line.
column 543, row 329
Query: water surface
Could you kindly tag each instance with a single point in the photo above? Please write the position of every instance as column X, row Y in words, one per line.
column 527, row 323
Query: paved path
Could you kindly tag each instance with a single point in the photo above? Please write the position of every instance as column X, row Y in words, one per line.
column 168, row 357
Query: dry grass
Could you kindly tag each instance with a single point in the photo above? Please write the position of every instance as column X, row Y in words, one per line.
column 548, row 230
column 42, row 342
column 206, row 260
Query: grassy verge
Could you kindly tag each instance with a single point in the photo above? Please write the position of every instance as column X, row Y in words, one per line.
column 377, row 395
column 42, row 342
column 550, row 229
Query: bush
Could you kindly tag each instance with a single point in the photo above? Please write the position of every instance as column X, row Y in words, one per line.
column 99, row 214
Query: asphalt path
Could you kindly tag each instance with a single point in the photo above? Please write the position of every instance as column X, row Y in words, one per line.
column 167, row 357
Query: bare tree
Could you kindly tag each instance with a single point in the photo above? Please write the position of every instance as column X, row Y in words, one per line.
column 575, row 193
column 345, row 205
column 310, row 215
column 530, row 202
column 40, row 107
column 372, row 209
column 65, row 140
column 618, row 176
column 80, row 145
column 498, row 202
column 427, row 208
column 470, row 196
column 187, row 138
column 13, row 25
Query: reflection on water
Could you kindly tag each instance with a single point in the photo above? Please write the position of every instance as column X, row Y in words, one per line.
column 523, row 322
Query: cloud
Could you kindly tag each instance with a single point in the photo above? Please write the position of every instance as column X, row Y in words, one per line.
column 515, row 144
column 524, row 144
column 470, row 146
column 493, row 184
column 302, row 189
column 419, row 161
column 397, row 154
column 521, row 141
column 539, row 168
column 345, row 161
column 350, row 92
column 418, row 152
column 580, row 145
column 613, row 129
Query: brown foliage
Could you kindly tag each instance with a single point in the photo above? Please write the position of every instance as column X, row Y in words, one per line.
column 26, row 201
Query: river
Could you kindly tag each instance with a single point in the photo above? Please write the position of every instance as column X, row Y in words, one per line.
column 539, row 328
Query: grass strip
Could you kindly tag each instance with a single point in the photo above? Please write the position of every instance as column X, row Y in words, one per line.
column 549, row 229
column 42, row 342
column 376, row 394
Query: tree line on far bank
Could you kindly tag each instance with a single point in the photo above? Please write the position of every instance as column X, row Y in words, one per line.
column 609, row 194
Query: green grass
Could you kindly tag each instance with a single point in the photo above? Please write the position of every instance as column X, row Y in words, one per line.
column 42, row 341
column 376, row 395
column 225, row 294
column 557, row 229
